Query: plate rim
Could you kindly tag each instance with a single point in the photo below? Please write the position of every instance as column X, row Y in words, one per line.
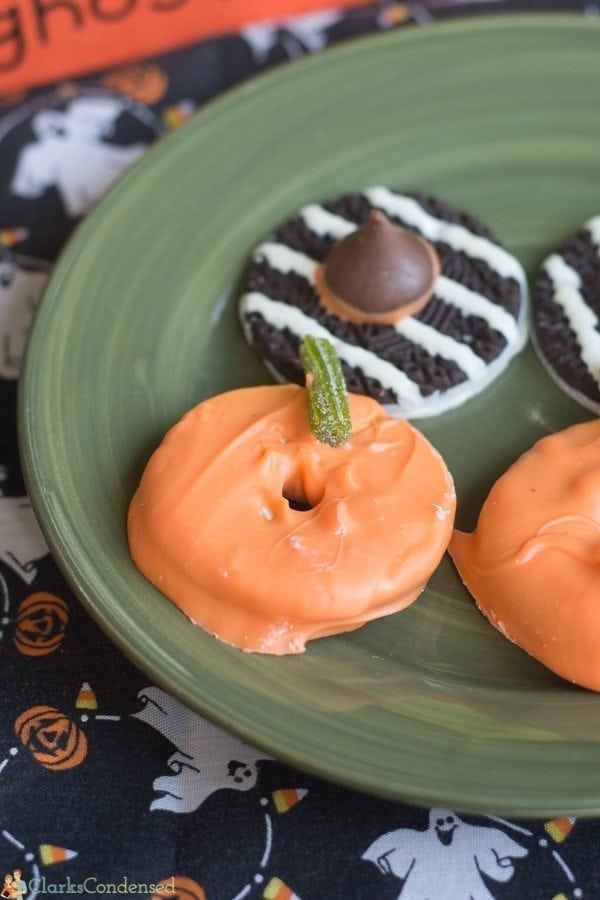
column 218, row 106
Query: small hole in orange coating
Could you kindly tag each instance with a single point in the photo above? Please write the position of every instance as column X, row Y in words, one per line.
column 300, row 504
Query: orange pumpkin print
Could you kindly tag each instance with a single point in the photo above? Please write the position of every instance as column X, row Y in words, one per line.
column 54, row 740
column 178, row 887
column 145, row 83
column 41, row 623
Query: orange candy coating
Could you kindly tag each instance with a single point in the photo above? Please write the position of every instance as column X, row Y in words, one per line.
column 211, row 527
column 533, row 562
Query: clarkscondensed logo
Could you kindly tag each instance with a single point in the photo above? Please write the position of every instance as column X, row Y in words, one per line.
column 15, row 888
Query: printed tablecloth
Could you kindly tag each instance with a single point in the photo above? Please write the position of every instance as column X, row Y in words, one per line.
column 107, row 784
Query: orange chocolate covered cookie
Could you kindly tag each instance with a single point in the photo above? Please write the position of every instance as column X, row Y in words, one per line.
column 533, row 562
column 267, row 537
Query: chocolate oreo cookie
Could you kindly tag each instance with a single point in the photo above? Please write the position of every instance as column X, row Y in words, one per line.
column 426, row 362
column 566, row 315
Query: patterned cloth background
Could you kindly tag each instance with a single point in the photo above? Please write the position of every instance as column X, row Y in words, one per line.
column 107, row 784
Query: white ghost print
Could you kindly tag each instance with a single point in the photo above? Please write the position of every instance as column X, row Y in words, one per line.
column 447, row 859
column 20, row 290
column 299, row 34
column 72, row 153
column 21, row 541
column 207, row 758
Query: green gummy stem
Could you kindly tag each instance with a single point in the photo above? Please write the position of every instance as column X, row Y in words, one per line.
column 328, row 410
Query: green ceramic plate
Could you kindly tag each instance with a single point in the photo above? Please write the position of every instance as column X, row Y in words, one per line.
column 500, row 117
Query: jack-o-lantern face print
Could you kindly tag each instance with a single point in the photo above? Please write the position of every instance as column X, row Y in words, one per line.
column 143, row 82
column 41, row 622
column 55, row 741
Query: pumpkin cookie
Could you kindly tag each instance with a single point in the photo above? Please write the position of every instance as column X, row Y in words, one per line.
column 276, row 514
column 422, row 317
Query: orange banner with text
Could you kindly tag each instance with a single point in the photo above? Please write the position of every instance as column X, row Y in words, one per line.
column 47, row 40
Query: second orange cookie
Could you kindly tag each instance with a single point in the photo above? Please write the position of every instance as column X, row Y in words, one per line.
column 533, row 563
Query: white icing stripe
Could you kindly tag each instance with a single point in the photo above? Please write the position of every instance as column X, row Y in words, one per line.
column 323, row 222
column 434, row 342
column 593, row 226
column 583, row 321
column 456, row 236
column 282, row 315
column 472, row 303
column 284, row 259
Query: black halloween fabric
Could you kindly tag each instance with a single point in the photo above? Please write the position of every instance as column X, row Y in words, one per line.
column 100, row 794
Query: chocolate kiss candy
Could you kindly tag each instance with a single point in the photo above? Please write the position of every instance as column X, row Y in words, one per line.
column 380, row 272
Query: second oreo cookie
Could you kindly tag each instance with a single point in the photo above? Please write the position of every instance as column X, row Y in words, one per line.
column 566, row 315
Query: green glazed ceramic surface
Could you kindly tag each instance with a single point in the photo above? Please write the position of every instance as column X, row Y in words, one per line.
column 498, row 116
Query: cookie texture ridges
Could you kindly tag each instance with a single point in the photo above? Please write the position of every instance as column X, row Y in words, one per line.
column 422, row 365
column 566, row 315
